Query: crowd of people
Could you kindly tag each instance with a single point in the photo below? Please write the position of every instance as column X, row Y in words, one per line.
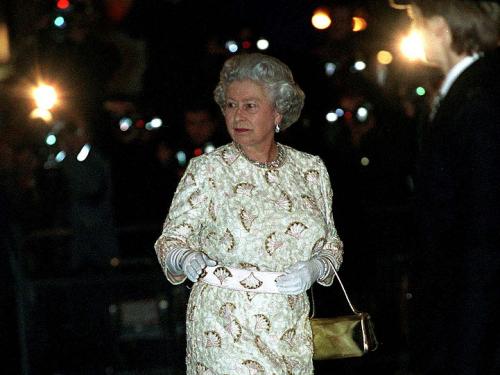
column 415, row 202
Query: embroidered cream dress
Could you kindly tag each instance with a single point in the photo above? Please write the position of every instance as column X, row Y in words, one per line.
column 246, row 216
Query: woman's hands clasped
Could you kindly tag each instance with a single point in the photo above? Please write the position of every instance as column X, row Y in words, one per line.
column 194, row 262
column 188, row 262
column 300, row 277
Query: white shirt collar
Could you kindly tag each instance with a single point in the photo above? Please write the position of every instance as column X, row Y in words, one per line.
column 454, row 72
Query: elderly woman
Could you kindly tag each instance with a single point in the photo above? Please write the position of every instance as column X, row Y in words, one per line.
column 251, row 225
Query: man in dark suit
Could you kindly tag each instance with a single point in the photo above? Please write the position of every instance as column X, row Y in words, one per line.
column 456, row 274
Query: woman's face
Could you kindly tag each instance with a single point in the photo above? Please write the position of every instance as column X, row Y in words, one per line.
column 250, row 116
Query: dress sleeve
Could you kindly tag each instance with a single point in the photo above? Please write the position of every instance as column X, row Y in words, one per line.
column 186, row 216
column 332, row 250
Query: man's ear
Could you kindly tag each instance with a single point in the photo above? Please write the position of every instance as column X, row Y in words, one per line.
column 440, row 29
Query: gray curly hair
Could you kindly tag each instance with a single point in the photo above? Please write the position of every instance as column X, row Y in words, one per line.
column 276, row 78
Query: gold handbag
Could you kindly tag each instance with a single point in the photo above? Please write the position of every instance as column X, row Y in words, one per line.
column 343, row 336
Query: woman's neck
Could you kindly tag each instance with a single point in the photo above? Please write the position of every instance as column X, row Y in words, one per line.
column 262, row 154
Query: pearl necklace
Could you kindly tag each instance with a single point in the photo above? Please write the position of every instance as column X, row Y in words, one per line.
column 273, row 164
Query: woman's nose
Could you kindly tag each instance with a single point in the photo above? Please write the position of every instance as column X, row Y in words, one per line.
column 238, row 113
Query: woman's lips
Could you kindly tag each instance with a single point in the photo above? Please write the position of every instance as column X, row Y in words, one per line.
column 241, row 130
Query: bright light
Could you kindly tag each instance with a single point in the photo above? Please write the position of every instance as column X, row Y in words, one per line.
column 262, row 44
column 330, row 69
column 181, row 158
column 209, row 147
column 358, row 24
column 231, row 46
column 359, row 65
column 125, row 124
column 156, row 123
column 84, row 152
column 412, row 46
column 331, row 117
column 364, row 161
column 339, row 112
column 51, row 139
column 43, row 114
column 45, row 96
column 62, row 4
column 384, row 57
column 59, row 22
column 420, row 91
column 362, row 114
column 321, row 19
column 60, row 156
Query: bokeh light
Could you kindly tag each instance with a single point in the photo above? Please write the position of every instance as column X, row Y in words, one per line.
column 43, row 114
column 51, row 139
column 412, row 46
column 61, row 155
column 232, row 46
column 420, row 91
column 384, row 57
column 330, row 68
column 59, row 22
column 125, row 124
column 84, row 152
column 262, row 44
column 331, row 117
column 45, row 96
column 362, row 114
column 181, row 158
column 63, row 4
column 358, row 24
column 359, row 65
column 321, row 19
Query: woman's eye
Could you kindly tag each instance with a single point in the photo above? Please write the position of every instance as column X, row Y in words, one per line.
column 250, row 106
column 230, row 105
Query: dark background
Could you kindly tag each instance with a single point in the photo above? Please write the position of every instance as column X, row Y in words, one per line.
column 111, row 310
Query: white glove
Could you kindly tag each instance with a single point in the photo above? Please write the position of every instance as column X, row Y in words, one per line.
column 194, row 263
column 189, row 262
column 300, row 277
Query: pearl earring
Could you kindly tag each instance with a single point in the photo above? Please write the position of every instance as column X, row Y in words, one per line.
column 277, row 130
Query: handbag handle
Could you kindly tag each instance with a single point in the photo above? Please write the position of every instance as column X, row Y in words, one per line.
column 345, row 294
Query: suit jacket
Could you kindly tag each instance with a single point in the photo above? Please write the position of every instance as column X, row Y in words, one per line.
column 457, row 269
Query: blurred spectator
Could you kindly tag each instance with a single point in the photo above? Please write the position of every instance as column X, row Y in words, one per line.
column 200, row 133
column 370, row 147
column 132, row 159
column 88, row 180
column 9, row 345
column 370, row 152
column 16, row 190
column 8, row 322
column 19, row 167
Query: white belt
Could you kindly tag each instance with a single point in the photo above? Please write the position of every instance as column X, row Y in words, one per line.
column 240, row 279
